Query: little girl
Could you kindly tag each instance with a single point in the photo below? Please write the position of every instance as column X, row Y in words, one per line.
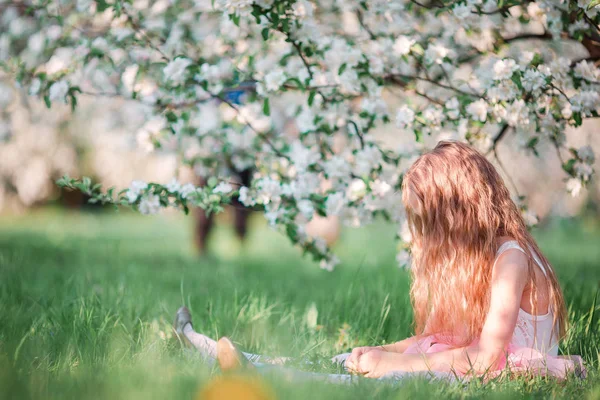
column 485, row 299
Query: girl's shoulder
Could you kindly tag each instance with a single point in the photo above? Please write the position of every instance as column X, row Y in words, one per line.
column 517, row 259
column 507, row 243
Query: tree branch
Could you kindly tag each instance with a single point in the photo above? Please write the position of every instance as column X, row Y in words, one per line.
column 362, row 23
column 498, row 138
column 526, row 36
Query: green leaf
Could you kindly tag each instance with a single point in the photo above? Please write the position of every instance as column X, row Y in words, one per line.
column 593, row 4
column 63, row 181
column 171, row 117
column 342, row 69
column 532, row 144
column 212, row 182
column 311, row 97
column 256, row 13
column 47, row 101
column 516, row 78
column 265, row 34
column 275, row 18
column 578, row 119
column 418, row 136
column 101, row 5
column 568, row 166
column 266, row 107
column 235, row 18
column 73, row 102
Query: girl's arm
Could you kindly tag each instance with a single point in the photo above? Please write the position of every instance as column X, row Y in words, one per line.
column 508, row 282
column 401, row 346
column 398, row 347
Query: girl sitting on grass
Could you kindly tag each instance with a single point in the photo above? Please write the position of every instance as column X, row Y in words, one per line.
column 485, row 299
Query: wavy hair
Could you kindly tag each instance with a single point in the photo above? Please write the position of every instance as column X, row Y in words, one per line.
column 463, row 208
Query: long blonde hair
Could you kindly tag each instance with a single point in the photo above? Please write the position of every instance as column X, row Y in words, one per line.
column 463, row 208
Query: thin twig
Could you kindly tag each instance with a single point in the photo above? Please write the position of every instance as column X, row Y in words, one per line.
column 439, row 84
column 540, row 36
column 498, row 138
column 501, row 165
column 362, row 23
column 358, row 133
column 261, row 135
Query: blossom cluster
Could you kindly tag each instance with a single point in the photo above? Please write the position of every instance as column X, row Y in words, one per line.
column 293, row 90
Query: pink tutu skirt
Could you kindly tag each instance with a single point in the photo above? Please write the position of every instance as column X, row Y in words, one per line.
column 518, row 360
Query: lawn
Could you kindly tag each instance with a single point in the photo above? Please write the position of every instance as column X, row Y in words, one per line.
column 87, row 299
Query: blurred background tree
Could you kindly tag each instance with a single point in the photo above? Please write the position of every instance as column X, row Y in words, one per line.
column 307, row 111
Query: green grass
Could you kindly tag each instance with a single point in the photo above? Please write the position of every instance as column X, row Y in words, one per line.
column 86, row 302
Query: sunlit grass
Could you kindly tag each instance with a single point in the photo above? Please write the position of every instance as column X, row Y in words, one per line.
column 86, row 302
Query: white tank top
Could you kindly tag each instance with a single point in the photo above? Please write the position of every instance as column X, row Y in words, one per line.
column 533, row 331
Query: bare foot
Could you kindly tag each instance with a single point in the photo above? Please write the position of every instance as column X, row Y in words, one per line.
column 230, row 357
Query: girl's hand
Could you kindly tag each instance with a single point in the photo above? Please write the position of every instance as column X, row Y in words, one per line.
column 363, row 359
column 371, row 363
column 353, row 360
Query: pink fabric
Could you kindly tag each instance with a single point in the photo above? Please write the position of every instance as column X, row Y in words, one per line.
column 518, row 360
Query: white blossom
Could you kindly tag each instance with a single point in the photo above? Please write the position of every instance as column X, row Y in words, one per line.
column 436, row 53
column 58, row 91
column 223, row 188
column 357, row 190
column 504, row 69
column 517, row 113
column 583, row 171
column 529, row 217
column 149, row 204
column 533, row 80
column 574, row 186
column 135, row 189
column 366, row 160
column 402, row 45
column 478, row 110
column 35, row 87
column 129, row 76
column 100, row 44
column 453, row 108
column 329, row 264
column 380, row 188
column 585, row 101
column 175, row 71
column 405, row 234
column 433, row 115
column 274, row 79
column 306, row 207
column 586, row 154
column 302, row 157
column 403, row 258
column 335, row 203
column 405, row 117
column 305, row 121
column 268, row 190
column 337, row 167
column 245, row 198
column 186, row 190
column 587, row 70
column 462, row 11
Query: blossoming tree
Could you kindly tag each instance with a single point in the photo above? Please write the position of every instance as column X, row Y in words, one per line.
column 293, row 90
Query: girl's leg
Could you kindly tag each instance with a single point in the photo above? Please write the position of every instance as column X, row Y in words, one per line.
column 207, row 346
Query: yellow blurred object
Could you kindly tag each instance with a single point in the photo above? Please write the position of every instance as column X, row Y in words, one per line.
column 235, row 387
